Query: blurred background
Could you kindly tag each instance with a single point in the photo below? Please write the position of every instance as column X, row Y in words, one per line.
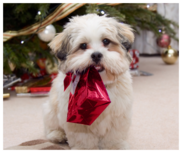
column 28, row 28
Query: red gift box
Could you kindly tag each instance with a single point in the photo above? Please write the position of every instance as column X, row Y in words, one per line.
column 88, row 97
column 135, row 56
column 39, row 89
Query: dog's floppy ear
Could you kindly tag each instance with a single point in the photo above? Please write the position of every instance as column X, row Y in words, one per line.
column 60, row 45
column 55, row 44
column 125, row 35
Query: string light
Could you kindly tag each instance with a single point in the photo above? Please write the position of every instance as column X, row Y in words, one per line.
column 160, row 30
column 22, row 42
column 148, row 5
column 39, row 13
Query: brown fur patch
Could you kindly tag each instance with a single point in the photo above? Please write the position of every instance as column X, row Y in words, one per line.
column 76, row 53
column 126, row 31
column 115, row 47
column 33, row 142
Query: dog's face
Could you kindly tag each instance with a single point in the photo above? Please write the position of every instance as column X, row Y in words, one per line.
column 94, row 40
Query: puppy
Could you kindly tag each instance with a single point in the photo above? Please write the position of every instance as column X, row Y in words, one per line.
column 103, row 42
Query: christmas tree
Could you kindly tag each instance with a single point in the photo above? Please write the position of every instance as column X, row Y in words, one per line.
column 23, row 23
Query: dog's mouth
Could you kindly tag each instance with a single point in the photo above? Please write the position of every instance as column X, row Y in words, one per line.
column 99, row 67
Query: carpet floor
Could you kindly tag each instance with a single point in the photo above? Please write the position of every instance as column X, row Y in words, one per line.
column 155, row 122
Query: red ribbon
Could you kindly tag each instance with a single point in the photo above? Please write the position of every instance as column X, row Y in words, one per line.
column 67, row 80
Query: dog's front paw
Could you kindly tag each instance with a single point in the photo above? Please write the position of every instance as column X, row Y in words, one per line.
column 56, row 136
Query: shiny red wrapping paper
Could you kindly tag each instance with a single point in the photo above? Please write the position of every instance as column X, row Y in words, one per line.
column 89, row 98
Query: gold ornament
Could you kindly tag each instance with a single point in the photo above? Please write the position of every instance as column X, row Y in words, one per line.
column 6, row 95
column 169, row 55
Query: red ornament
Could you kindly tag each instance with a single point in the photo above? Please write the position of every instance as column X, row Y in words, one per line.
column 41, row 63
column 164, row 40
column 135, row 58
column 88, row 97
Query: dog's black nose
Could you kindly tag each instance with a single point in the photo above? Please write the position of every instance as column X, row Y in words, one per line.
column 96, row 57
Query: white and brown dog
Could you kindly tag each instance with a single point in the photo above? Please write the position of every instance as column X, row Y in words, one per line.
column 103, row 42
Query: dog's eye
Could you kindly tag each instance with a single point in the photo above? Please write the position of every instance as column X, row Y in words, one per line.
column 106, row 42
column 83, row 46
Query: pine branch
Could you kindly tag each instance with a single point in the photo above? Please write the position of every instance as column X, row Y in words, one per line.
column 43, row 8
column 19, row 54
column 92, row 8
column 113, row 12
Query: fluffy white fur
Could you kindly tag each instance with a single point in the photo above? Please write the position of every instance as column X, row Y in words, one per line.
column 109, row 130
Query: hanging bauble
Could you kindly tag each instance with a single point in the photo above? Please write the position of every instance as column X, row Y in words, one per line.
column 47, row 34
column 169, row 55
column 164, row 40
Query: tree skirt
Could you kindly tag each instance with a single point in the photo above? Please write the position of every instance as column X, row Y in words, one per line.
column 39, row 144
